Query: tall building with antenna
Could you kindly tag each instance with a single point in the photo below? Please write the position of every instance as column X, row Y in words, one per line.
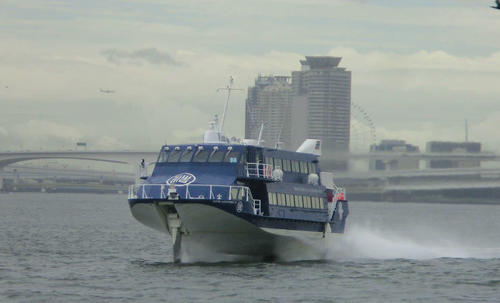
column 268, row 103
column 316, row 103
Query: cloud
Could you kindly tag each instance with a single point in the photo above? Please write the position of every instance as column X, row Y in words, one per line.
column 417, row 96
column 150, row 55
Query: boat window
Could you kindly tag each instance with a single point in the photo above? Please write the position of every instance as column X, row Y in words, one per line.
column 286, row 165
column 295, row 166
column 307, row 201
column 272, row 198
column 186, row 155
column 216, row 156
column 316, row 202
column 174, row 156
column 243, row 158
column 281, row 199
column 277, row 163
column 269, row 161
column 310, row 168
column 321, row 203
column 303, row 167
column 201, row 155
column 232, row 156
column 289, row 200
column 163, row 156
column 298, row 201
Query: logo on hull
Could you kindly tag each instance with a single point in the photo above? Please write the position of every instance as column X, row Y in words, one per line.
column 181, row 179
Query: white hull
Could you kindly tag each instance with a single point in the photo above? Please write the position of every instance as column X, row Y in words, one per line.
column 205, row 233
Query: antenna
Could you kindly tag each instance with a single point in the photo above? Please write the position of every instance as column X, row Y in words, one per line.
column 278, row 140
column 259, row 140
column 229, row 89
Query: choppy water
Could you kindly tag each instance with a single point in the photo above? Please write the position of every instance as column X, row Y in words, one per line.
column 88, row 248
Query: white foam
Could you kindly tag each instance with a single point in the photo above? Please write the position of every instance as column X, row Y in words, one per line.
column 363, row 242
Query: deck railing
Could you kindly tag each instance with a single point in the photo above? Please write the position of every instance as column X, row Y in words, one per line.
column 195, row 192
column 259, row 170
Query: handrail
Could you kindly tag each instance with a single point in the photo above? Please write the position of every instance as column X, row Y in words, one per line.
column 215, row 192
column 197, row 192
column 259, row 170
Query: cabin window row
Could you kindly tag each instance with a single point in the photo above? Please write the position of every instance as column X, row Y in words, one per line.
column 290, row 200
column 292, row 165
column 199, row 155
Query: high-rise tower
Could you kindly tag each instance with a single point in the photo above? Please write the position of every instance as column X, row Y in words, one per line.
column 316, row 103
column 268, row 103
column 323, row 90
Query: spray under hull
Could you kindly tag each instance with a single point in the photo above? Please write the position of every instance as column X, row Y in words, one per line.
column 203, row 232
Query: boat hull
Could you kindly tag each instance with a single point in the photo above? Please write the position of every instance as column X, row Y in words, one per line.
column 203, row 232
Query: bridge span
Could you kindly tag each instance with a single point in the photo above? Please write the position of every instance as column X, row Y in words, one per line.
column 119, row 157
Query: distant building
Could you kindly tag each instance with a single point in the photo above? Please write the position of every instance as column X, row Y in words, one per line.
column 316, row 103
column 394, row 146
column 321, row 106
column 453, row 147
column 268, row 103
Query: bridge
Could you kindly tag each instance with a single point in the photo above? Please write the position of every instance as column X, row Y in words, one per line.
column 134, row 157
column 119, row 157
column 481, row 156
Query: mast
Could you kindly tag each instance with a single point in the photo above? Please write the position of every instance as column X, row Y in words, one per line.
column 229, row 89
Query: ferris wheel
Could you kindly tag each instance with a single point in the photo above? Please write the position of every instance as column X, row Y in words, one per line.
column 363, row 132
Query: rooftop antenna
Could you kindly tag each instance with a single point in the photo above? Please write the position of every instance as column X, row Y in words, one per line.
column 229, row 89
column 259, row 140
column 278, row 141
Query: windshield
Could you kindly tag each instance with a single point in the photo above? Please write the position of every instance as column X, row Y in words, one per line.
column 163, row 156
column 174, row 156
column 186, row 155
column 216, row 156
column 201, row 156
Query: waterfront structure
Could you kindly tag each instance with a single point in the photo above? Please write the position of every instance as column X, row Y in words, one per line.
column 268, row 103
column 394, row 164
column 453, row 147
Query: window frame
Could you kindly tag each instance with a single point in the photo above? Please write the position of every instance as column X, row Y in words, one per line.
column 223, row 152
column 185, row 152
column 172, row 153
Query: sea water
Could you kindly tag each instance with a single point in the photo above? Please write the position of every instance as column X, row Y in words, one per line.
column 88, row 248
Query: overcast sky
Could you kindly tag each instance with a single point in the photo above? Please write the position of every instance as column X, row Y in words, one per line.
column 419, row 68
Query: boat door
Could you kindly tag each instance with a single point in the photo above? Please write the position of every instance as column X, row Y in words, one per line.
column 255, row 155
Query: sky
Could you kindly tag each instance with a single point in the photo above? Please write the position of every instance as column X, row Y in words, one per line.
column 419, row 68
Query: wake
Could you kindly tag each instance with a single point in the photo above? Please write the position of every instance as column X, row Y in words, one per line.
column 364, row 242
